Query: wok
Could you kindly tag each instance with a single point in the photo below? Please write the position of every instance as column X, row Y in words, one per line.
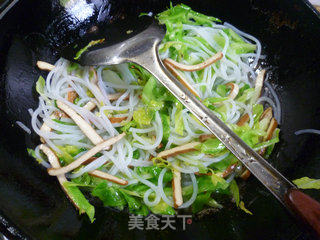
column 32, row 206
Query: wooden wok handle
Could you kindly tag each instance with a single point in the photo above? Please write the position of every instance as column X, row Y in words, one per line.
column 305, row 207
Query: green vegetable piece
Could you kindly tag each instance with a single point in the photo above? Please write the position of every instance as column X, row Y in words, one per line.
column 241, row 90
column 68, row 152
column 79, row 199
column 165, row 119
column 219, row 182
column 63, row 3
column 268, row 151
column 234, row 189
column 307, row 183
column 77, row 100
column 143, row 210
column 178, row 121
column 257, row 111
column 219, row 39
column 234, row 36
column 139, row 189
column 131, row 193
column 211, row 146
column 162, row 208
column 268, row 143
column 201, row 200
column 246, row 95
column 223, row 164
column 112, row 77
column 136, row 154
column 202, row 168
column 148, row 91
column 133, row 203
column 236, row 47
column 40, row 85
column 155, row 171
column 90, row 94
column 84, row 179
column 154, row 95
column 72, row 67
column 32, row 153
column 222, row 90
column 205, row 184
column 139, row 73
column 110, row 196
column 127, row 127
column 212, row 100
column 243, row 208
column 143, row 116
column 64, row 156
column 241, row 48
column 222, row 111
column 183, row 14
column 155, row 105
column 90, row 44
column 250, row 136
column 214, row 203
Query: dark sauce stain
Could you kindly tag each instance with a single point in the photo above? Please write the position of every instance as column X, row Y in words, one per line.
column 279, row 19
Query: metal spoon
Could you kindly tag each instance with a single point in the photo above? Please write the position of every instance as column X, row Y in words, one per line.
column 143, row 50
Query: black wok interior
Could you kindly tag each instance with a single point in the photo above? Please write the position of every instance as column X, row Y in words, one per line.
column 32, row 205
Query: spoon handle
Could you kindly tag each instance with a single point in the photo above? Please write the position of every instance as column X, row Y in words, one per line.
column 304, row 207
column 266, row 174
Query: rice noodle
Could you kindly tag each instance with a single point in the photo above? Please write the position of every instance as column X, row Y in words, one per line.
column 271, row 103
column 194, row 192
column 161, row 187
column 243, row 34
column 24, row 127
column 153, row 188
column 159, row 133
column 276, row 99
column 90, row 167
column 304, row 131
